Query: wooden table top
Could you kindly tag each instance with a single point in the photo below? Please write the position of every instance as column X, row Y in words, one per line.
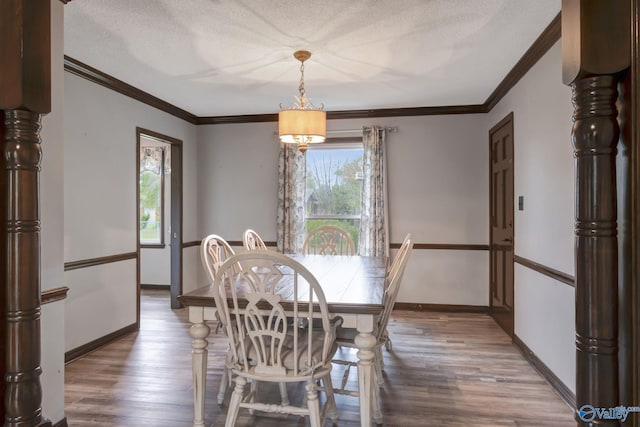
column 351, row 284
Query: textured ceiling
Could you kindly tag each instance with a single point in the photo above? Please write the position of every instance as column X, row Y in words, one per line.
column 228, row 57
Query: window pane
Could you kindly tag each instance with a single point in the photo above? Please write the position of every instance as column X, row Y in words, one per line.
column 334, row 188
column 150, row 207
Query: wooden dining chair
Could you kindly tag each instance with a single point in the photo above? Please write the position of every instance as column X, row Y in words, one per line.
column 346, row 336
column 392, row 287
column 252, row 241
column 270, row 342
column 328, row 240
column 214, row 251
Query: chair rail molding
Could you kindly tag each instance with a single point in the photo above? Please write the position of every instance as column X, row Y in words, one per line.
column 53, row 295
column 90, row 262
column 547, row 271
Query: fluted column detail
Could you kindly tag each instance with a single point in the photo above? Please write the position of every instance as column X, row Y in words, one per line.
column 595, row 136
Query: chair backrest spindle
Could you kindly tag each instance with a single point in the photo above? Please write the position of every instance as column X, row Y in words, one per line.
column 328, row 240
column 273, row 296
column 252, row 241
column 214, row 251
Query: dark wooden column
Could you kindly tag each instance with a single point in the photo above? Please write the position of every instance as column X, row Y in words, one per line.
column 634, row 202
column 25, row 94
column 3, row 287
column 595, row 51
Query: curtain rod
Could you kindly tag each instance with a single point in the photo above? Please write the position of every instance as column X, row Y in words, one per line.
column 386, row 128
column 390, row 129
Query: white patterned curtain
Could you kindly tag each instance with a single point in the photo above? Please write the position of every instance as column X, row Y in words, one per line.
column 374, row 229
column 291, row 199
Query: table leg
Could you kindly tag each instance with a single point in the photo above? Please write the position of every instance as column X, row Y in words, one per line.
column 365, row 342
column 199, row 332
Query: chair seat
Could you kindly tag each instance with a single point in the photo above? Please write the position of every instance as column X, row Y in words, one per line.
column 279, row 348
column 288, row 355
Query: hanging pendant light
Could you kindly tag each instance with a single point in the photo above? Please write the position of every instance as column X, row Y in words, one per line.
column 302, row 123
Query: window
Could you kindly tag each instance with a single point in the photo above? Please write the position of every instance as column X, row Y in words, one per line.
column 334, row 186
column 151, row 195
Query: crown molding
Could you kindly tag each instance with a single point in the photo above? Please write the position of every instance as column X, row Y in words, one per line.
column 407, row 111
column 538, row 49
column 242, row 118
column 351, row 114
column 96, row 76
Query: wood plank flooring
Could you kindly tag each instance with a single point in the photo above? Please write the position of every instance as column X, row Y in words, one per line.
column 445, row 369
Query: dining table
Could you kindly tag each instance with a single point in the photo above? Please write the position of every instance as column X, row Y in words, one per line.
column 353, row 287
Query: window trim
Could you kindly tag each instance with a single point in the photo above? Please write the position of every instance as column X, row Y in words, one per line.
column 153, row 245
column 338, row 143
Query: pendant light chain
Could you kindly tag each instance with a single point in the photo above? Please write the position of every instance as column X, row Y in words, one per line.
column 301, row 87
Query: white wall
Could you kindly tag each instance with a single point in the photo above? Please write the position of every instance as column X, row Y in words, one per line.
column 52, row 324
column 438, row 191
column 238, row 174
column 544, row 175
column 100, row 202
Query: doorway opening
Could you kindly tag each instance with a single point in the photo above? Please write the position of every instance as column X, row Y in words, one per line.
column 159, row 213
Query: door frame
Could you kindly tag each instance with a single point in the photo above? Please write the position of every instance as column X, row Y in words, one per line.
column 175, row 239
column 506, row 121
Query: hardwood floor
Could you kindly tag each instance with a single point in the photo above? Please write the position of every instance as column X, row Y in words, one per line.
column 446, row 369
